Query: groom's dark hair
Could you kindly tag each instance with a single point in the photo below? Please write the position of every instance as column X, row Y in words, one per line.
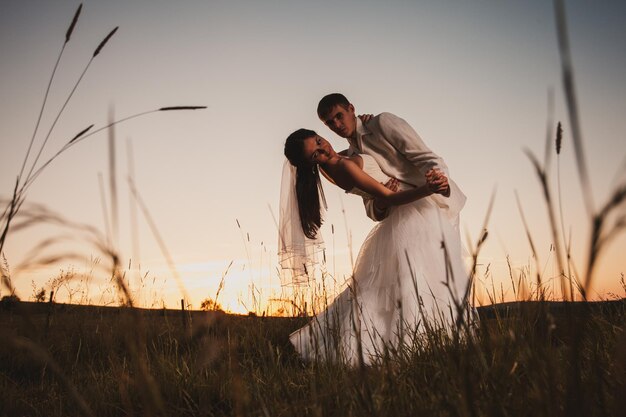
column 329, row 101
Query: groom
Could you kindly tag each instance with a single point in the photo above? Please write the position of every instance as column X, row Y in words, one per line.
column 396, row 147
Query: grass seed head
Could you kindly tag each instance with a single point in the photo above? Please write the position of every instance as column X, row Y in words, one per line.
column 182, row 108
column 104, row 41
column 559, row 138
column 81, row 133
column 68, row 34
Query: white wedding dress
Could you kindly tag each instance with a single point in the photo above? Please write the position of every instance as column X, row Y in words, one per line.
column 401, row 277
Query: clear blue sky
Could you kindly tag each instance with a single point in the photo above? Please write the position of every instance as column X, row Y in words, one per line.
column 471, row 77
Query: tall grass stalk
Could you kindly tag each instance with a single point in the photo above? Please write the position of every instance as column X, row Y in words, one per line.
column 133, row 210
column 567, row 72
column 542, row 174
column 84, row 135
column 115, row 232
column 159, row 239
column 17, row 216
column 558, row 142
column 475, row 250
column 68, row 35
column 67, row 100
column 599, row 235
column 105, row 210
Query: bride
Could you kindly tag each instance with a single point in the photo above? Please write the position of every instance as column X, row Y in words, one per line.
column 402, row 275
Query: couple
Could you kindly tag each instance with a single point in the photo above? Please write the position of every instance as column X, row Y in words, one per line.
column 409, row 268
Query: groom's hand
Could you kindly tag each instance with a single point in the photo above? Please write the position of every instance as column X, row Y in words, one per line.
column 379, row 207
column 437, row 182
column 393, row 184
column 365, row 117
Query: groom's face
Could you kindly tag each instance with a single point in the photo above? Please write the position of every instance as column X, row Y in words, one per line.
column 341, row 120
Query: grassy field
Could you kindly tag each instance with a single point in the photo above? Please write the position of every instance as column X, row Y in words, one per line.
column 531, row 358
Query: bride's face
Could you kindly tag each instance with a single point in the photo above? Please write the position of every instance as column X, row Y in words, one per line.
column 317, row 150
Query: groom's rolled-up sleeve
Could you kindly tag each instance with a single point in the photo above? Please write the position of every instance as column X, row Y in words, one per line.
column 374, row 212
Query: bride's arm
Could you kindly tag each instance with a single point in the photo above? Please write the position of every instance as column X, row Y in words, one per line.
column 435, row 183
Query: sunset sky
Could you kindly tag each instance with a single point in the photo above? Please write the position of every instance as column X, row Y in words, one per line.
column 472, row 77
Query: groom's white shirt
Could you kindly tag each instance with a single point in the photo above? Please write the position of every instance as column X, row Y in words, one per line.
column 402, row 154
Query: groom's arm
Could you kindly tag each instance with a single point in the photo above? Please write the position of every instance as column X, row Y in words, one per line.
column 406, row 140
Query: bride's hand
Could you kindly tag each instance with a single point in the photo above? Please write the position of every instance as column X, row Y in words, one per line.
column 365, row 117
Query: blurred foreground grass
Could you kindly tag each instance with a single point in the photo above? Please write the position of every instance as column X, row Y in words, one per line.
column 120, row 361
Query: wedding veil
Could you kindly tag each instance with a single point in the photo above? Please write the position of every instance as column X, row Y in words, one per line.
column 297, row 253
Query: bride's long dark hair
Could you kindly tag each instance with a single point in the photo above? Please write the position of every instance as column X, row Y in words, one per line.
column 308, row 185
